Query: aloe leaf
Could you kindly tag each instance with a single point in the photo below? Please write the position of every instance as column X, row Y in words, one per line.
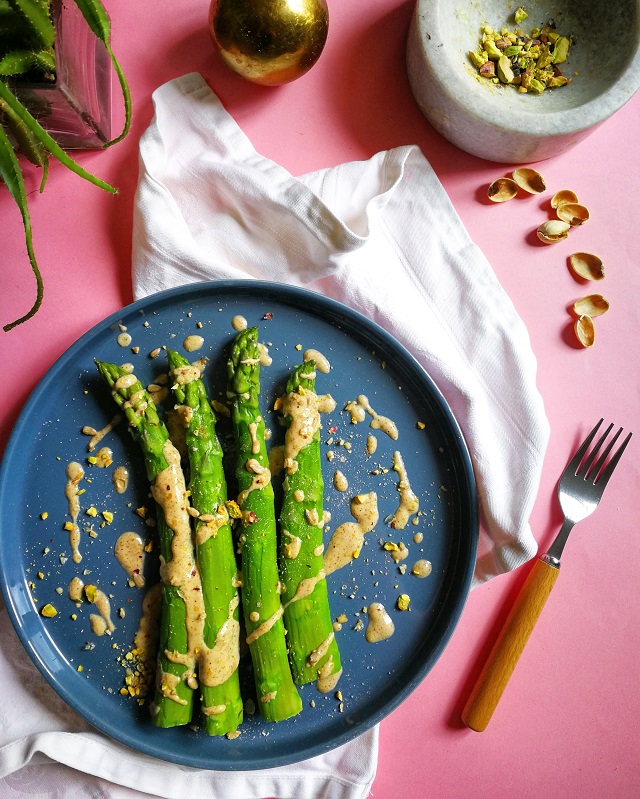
column 12, row 176
column 97, row 19
column 27, row 143
column 52, row 146
column 17, row 62
column 37, row 19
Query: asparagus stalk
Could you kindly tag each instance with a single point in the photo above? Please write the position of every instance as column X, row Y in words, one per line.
column 173, row 701
column 278, row 698
column 218, row 673
column 313, row 650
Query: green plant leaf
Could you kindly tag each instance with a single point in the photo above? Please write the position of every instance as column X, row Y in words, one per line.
column 38, row 20
column 12, row 176
column 97, row 19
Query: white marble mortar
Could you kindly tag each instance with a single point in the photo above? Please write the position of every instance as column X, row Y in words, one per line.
column 498, row 123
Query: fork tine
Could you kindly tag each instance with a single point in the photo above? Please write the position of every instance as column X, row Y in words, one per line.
column 602, row 480
column 601, row 460
column 574, row 463
column 592, row 455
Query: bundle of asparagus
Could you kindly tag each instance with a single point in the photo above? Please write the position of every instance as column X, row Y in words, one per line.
column 199, row 633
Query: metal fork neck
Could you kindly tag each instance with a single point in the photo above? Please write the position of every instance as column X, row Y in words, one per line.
column 554, row 553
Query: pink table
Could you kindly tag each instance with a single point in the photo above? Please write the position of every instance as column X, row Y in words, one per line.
column 567, row 723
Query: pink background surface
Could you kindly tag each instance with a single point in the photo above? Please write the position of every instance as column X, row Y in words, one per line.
column 567, row 725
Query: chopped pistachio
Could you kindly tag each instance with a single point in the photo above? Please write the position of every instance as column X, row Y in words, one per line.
column 48, row 611
column 402, row 602
column 561, row 50
column 476, row 59
column 505, row 73
column 520, row 15
column 492, row 51
column 529, row 63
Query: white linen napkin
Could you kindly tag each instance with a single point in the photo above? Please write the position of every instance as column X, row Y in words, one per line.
column 379, row 235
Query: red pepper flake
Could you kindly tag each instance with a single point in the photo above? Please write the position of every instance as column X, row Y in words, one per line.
column 268, row 316
column 333, row 429
column 251, row 518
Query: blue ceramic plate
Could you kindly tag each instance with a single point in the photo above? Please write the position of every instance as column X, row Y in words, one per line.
column 365, row 360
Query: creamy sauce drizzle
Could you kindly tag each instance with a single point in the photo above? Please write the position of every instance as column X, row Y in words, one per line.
column 259, row 481
column 340, row 482
column 129, row 552
column 104, row 457
column 358, row 410
column 214, row 664
column 146, row 638
column 264, row 358
column 193, row 343
column 304, row 409
column 409, row 502
column 421, row 568
column 327, row 678
column 321, row 362
column 320, row 651
column 120, row 479
column 124, row 339
column 372, row 444
column 210, row 524
column 239, row 323
column 292, row 547
column 265, row 626
column 399, row 554
column 253, row 432
column 75, row 589
column 182, row 375
column 346, row 542
column 380, row 624
column 101, row 624
column 98, row 435
column 75, row 473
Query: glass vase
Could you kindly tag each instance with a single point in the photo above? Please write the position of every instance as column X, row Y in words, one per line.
column 75, row 109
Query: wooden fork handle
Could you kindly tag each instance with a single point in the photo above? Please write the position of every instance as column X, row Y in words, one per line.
column 509, row 646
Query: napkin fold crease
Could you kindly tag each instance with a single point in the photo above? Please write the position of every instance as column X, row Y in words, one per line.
column 381, row 236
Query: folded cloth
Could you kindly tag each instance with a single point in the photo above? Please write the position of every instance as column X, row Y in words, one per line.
column 379, row 235
column 47, row 751
column 382, row 237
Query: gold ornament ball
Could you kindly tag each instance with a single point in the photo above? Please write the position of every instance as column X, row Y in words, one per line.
column 269, row 41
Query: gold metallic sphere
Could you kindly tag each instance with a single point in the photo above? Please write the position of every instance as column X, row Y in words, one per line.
column 269, row 41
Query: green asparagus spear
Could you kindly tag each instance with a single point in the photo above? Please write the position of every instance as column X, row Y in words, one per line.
column 173, row 702
column 278, row 697
column 313, row 650
column 220, row 689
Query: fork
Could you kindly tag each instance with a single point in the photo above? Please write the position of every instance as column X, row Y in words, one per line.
column 579, row 491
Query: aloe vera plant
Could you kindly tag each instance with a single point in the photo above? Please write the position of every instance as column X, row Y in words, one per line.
column 27, row 52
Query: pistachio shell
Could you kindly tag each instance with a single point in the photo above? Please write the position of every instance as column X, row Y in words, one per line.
column 529, row 180
column 573, row 213
column 502, row 189
column 592, row 305
column 563, row 196
column 553, row 230
column 586, row 265
column 585, row 331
